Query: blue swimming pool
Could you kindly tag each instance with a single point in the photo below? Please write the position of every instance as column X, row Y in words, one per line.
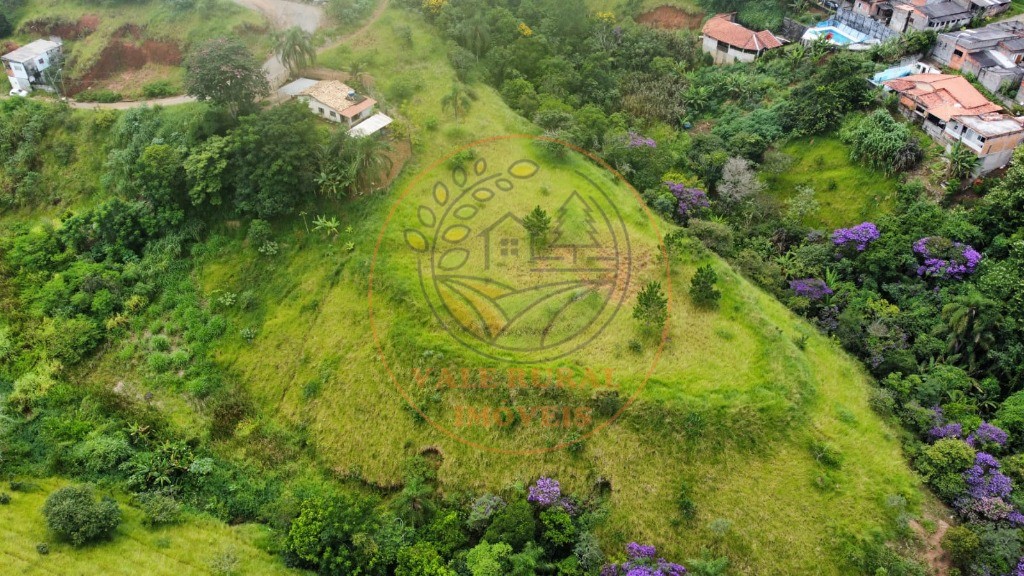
column 831, row 30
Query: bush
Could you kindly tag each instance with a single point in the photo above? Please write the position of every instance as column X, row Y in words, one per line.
column 5, row 498
column 42, row 549
column 962, row 544
column 715, row 236
column 158, row 509
column 74, row 515
column 102, row 95
column 702, row 287
column 158, row 89
column 684, row 501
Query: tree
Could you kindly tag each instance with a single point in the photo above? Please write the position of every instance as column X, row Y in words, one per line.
column 421, row 559
column 739, row 181
column 5, row 27
column 961, row 543
column 487, row 559
column 574, row 228
column 294, row 47
column 353, row 165
column 329, row 534
column 702, row 287
column 537, row 224
column 651, row 308
column 270, row 163
column 458, row 100
column 513, row 525
column 224, row 72
column 962, row 162
column 74, row 514
column 205, row 171
column 969, row 322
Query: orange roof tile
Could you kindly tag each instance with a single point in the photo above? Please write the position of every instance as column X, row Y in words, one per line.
column 943, row 95
column 721, row 27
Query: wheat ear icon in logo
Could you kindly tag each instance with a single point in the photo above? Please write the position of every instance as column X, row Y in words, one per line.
column 510, row 292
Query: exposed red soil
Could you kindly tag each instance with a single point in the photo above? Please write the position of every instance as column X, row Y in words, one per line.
column 670, row 18
column 66, row 29
column 127, row 51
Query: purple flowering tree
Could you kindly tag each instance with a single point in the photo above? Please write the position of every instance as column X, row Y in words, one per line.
column 690, row 200
column 643, row 560
column 951, row 430
column 987, row 435
column 545, row 492
column 858, row 236
column 944, row 258
column 988, row 493
column 811, row 288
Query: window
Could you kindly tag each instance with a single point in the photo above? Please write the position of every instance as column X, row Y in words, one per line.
column 322, row 111
column 958, row 53
column 333, row 114
column 41, row 61
column 509, row 246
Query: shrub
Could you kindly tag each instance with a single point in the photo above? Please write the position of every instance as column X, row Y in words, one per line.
column 102, row 95
column 684, row 501
column 651, row 308
column 5, row 498
column 942, row 464
column 159, row 509
column 702, row 287
column 158, row 89
column 42, row 549
column 961, row 543
column 715, row 236
column 74, row 515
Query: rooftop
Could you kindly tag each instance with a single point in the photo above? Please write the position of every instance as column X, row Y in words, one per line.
column 296, row 87
column 31, row 51
column 943, row 95
column 944, row 10
column 722, row 27
column 371, row 125
column 339, row 96
column 992, row 124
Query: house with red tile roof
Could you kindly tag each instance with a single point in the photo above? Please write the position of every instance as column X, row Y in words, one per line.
column 337, row 102
column 951, row 110
column 727, row 41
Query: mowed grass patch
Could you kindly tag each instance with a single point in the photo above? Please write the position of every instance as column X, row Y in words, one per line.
column 195, row 546
column 847, row 193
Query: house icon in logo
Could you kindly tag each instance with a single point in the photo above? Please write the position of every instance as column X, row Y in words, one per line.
column 506, row 240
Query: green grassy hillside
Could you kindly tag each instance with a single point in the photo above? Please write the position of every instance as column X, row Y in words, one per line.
column 195, row 546
column 766, row 420
column 743, row 404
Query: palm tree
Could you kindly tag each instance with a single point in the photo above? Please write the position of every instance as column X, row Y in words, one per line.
column 962, row 162
column 372, row 163
column 294, row 47
column 969, row 322
column 458, row 100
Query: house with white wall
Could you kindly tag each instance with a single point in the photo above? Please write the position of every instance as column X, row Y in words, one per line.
column 727, row 41
column 337, row 102
column 25, row 66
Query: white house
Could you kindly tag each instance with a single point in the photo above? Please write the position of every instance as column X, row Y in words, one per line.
column 728, row 42
column 337, row 102
column 25, row 66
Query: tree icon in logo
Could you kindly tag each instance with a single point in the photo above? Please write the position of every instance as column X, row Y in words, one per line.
column 498, row 291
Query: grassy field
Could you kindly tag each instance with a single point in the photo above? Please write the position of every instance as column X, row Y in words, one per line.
column 847, row 193
column 735, row 406
column 197, row 545
column 157, row 21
